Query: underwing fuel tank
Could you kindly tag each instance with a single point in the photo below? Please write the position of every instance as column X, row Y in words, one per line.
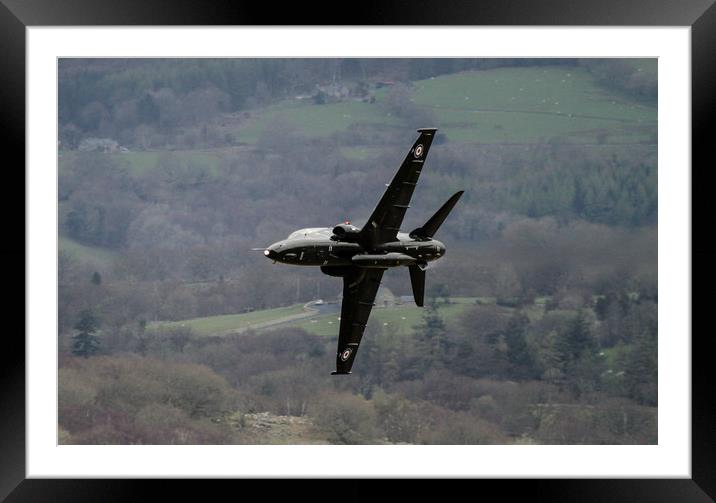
column 380, row 261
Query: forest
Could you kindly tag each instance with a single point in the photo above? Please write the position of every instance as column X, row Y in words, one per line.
column 541, row 321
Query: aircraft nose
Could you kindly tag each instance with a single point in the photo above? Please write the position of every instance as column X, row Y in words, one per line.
column 271, row 253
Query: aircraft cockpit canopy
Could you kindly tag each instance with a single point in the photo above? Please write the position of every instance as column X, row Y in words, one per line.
column 318, row 232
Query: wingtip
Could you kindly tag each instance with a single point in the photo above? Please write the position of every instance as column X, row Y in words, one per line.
column 456, row 196
column 427, row 130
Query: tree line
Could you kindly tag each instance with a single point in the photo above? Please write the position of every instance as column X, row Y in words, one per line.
column 497, row 374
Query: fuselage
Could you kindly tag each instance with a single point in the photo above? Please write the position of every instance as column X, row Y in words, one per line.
column 319, row 247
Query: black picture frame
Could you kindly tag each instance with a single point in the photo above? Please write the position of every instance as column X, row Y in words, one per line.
column 700, row 15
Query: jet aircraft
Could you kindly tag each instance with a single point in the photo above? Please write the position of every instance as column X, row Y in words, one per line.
column 361, row 255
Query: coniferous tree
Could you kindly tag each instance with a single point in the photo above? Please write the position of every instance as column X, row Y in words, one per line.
column 85, row 342
column 518, row 353
column 577, row 347
column 641, row 369
column 433, row 338
column 148, row 110
column 577, row 339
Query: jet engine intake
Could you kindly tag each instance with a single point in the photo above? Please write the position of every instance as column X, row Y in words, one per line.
column 346, row 232
column 419, row 234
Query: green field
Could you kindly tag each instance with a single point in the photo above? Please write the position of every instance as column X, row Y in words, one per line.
column 315, row 120
column 100, row 258
column 217, row 325
column 527, row 104
column 399, row 320
column 402, row 319
column 505, row 105
column 557, row 90
column 142, row 161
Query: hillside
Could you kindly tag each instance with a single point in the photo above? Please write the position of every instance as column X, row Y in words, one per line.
column 541, row 320
column 506, row 105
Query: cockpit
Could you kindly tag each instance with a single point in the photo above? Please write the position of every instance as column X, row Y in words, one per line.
column 318, row 232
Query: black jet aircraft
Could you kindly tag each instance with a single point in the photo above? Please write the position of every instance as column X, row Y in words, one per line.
column 360, row 256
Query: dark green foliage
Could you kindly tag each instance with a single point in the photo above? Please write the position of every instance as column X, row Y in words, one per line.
column 478, row 348
column 102, row 200
column 148, row 110
column 640, row 363
column 509, row 301
column 603, row 304
column 70, row 136
column 432, row 345
column 577, row 340
column 319, row 98
column 518, row 351
column 583, row 374
column 85, row 343
column 614, row 192
column 576, row 353
column 423, row 68
column 625, row 76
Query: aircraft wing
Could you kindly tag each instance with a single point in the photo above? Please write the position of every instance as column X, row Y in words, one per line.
column 384, row 222
column 359, row 290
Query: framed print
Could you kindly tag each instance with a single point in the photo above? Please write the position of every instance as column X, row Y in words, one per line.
column 160, row 150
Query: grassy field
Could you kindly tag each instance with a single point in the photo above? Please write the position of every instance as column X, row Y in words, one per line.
column 505, row 105
column 556, row 90
column 216, row 325
column 315, row 120
column 400, row 320
column 101, row 258
column 527, row 104
column 142, row 161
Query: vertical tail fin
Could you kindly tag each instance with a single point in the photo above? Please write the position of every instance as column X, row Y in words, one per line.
column 417, row 280
column 428, row 230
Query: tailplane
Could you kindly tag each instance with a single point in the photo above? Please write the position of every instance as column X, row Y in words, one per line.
column 428, row 230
